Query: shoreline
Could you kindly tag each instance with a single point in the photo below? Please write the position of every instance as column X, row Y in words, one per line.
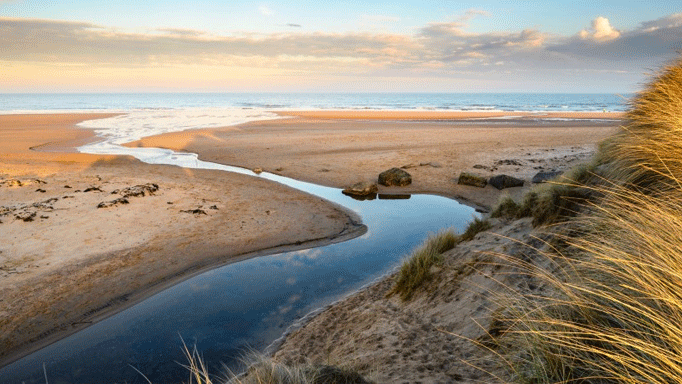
column 20, row 162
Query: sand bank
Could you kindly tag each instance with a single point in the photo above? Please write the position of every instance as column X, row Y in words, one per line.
column 443, row 115
column 340, row 148
column 65, row 263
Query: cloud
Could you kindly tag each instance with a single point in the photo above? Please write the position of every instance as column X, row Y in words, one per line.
column 601, row 30
column 265, row 10
column 650, row 43
column 446, row 49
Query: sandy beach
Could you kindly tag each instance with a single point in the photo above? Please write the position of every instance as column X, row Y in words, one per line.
column 64, row 263
column 340, row 148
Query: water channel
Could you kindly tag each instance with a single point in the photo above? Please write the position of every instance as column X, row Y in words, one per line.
column 239, row 306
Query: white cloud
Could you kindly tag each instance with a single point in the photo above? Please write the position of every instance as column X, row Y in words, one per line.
column 601, row 30
column 265, row 10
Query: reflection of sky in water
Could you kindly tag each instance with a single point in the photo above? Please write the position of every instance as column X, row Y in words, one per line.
column 245, row 304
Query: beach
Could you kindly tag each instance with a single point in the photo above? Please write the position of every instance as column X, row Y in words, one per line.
column 340, row 148
column 72, row 263
column 66, row 263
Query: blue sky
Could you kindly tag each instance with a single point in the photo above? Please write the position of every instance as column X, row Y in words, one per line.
column 543, row 46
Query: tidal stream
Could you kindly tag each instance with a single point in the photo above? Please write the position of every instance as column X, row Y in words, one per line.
column 241, row 306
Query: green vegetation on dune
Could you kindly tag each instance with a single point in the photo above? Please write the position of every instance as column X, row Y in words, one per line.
column 416, row 269
column 614, row 313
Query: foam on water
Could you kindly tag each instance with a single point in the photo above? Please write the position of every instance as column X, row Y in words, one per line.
column 137, row 124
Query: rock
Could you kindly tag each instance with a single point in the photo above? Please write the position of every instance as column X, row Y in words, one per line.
column 112, row 203
column 505, row 181
column 542, row 177
column 257, row 170
column 214, row 207
column 363, row 188
column 383, row 196
column 25, row 216
column 395, row 176
column 91, row 189
column 41, row 190
column 195, row 211
column 408, row 166
column 432, row 164
column 508, row 162
column 472, row 180
column 137, row 190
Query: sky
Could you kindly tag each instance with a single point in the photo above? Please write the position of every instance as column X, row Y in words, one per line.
column 342, row 46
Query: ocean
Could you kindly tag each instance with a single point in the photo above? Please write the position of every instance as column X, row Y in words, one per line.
column 124, row 102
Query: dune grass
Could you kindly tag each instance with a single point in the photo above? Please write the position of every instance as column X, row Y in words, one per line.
column 416, row 269
column 615, row 312
column 264, row 370
column 474, row 228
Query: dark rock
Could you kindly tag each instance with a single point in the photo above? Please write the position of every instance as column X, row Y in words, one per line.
column 67, row 186
column 138, row 190
column 383, row 196
column 25, row 216
column 363, row 188
column 91, row 189
column 112, row 203
column 214, row 207
column 542, row 177
column 44, row 217
column 505, row 181
column 395, row 176
column 195, row 211
column 472, row 180
column 508, row 162
column 41, row 190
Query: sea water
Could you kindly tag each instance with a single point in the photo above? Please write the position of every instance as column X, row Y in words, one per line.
column 124, row 102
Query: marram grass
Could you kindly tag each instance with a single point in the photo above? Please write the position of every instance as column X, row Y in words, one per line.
column 615, row 312
column 416, row 270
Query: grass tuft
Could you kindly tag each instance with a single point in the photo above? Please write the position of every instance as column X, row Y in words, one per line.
column 506, row 208
column 475, row 227
column 416, row 269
